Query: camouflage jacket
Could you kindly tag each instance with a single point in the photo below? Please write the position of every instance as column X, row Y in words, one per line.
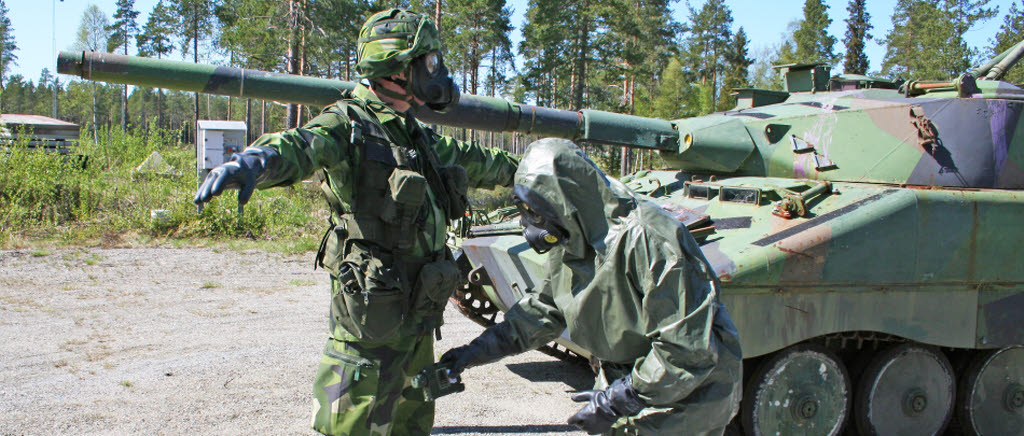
column 325, row 143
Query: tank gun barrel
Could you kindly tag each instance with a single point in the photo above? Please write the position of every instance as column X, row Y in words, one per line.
column 985, row 70
column 1010, row 60
column 473, row 111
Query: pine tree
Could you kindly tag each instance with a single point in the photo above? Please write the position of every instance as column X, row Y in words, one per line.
column 636, row 38
column 737, row 68
column 858, row 28
column 331, row 46
column 121, row 31
column 7, row 48
column 813, row 43
column 962, row 16
column 1010, row 34
column 124, row 27
column 670, row 101
column 926, row 41
column 600, row 54
column 552, row 51
column 709, row 40
column 918, row 46
column 641, row 36
column 154, row 40
column 477, row 28
column 42, row 101
column 194, row 24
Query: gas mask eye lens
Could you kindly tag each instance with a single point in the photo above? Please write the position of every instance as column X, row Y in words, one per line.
column 527, row 212
column 431, row 61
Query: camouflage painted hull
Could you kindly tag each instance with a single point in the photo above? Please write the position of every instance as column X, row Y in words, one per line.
column 869, row 268
column 935, row 266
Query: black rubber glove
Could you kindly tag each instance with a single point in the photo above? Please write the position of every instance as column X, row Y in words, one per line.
column 605, row 407
column 492, row 345
column 243, row 172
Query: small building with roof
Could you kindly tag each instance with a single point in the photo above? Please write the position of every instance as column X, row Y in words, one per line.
column 49, row 134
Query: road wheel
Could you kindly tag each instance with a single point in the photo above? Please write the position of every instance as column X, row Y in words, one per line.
column 990, row 399
column 907, row 389
column 803, row 389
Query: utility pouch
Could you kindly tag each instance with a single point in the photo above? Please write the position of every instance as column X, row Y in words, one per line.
column 332, row 249
column 434, row 285
column 370, row 300
column 456, row 185
column 407, row 192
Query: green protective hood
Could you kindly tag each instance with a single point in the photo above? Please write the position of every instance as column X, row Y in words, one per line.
column 588, row 202
column 632, row 287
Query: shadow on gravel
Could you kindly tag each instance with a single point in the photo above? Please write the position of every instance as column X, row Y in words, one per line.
column 460, row 429
column 575, row 376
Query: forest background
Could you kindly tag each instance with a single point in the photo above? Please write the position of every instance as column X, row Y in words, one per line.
column 628, row 56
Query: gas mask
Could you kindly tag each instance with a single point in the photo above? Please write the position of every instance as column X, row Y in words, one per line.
column 427, row 79
column 541, row 227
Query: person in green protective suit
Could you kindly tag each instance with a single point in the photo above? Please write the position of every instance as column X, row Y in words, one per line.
column 631, row 285
column 393, row 187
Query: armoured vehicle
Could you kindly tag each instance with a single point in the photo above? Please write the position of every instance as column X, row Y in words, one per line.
column 863, row 232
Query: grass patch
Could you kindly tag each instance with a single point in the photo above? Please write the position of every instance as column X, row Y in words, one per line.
column 94, row 198
column 40, row 253
column 126, row 383
column 211, row 285
column 302, row 282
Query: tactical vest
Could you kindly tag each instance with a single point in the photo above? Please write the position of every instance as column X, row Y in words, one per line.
column 368, row 248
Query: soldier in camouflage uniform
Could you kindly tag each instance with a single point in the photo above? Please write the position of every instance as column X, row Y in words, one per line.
column 632, row 286
column 393, row 186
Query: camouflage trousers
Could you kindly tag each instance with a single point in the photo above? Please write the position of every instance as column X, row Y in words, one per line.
column 364, row 389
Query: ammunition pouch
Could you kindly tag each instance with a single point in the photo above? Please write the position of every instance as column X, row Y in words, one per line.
column 374, row 297
column 370, row 298
column 407, row 192
column 435, row 283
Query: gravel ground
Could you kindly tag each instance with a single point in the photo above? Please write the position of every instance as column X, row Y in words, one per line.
column 201, row 341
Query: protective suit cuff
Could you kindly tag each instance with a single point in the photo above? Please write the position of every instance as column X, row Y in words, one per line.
column 624, row 399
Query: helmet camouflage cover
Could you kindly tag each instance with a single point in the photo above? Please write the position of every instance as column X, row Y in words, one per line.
column 390, row 39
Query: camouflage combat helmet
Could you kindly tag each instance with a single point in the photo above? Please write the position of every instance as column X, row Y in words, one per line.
column 390, row 39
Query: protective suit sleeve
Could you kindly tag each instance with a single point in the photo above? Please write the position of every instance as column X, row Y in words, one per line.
column 324, row 142
column 486, row 167
column 535, row 320
column 679, row 306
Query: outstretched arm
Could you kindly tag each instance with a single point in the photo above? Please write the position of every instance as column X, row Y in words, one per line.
column 532, row 322
column 324, row 142
column 282, row 158
column 486, row 167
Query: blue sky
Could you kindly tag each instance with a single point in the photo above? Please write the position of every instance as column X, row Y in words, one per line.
column 763, row 20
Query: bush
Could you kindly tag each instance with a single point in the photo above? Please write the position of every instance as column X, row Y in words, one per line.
column 92, row 197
